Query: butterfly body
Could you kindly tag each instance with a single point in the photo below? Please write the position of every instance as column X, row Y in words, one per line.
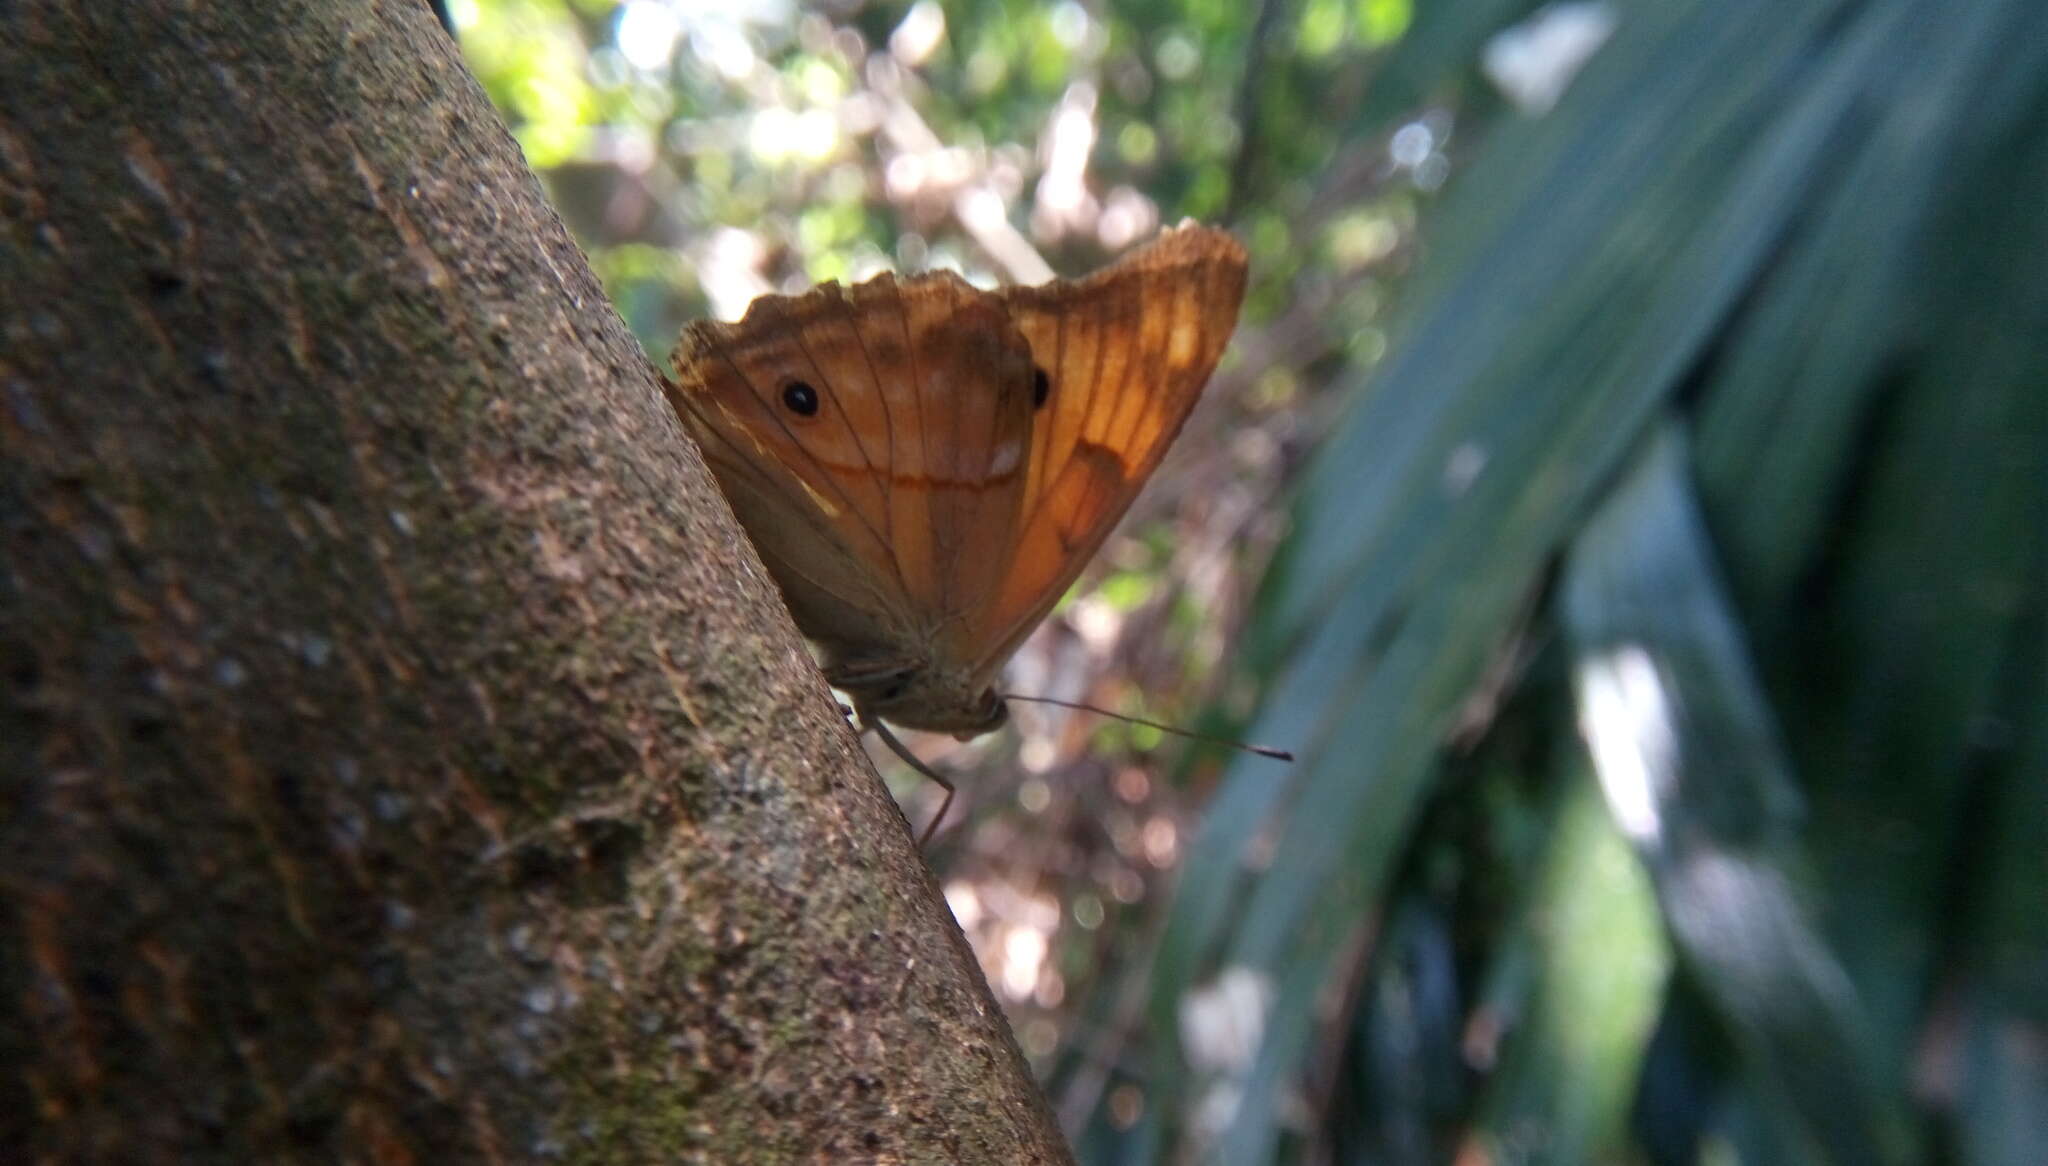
column 925, row 466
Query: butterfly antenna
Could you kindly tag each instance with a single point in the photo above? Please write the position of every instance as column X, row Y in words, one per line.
column 910, row 759
column 1261, row 750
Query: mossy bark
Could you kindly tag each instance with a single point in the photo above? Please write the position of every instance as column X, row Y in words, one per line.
column 405, row 757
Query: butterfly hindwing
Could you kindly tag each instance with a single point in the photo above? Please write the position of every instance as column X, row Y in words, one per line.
column 975, row 371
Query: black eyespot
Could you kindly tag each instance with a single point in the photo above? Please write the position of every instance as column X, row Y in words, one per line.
column 894, row 690
column 800, row 398
column 1041, row 388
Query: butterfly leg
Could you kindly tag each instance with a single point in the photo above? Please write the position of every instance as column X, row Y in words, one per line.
column 909, row 758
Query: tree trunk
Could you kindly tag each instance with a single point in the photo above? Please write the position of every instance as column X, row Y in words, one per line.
column 405, row 756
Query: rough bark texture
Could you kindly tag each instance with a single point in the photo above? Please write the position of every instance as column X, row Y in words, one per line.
column 404, row 756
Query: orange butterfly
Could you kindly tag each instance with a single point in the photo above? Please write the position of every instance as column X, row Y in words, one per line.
column 925, row 467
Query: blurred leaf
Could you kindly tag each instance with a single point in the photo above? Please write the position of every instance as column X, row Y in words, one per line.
column 2001, row 1076
column 1694, row 772
column 1435, row 507
column 1726, row 188
column 1563, row 1092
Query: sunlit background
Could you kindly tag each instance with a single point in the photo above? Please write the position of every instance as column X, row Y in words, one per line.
column 1567, row 498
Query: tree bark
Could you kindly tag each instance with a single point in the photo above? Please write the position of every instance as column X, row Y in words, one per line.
column 405, row 757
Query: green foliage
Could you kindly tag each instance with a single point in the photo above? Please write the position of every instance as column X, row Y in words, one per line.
column 1794, row 230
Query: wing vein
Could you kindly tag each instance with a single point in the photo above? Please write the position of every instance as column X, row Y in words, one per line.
column 924, row 444
column 887, row 473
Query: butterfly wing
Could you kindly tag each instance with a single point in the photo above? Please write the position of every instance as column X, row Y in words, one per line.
column 1125, row 353
column 870, row 440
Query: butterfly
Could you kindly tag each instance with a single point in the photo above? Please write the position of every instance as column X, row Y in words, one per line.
column 925, row 467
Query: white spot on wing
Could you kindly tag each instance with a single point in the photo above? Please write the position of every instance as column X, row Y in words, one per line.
column 1007, row 455
column 823, row 503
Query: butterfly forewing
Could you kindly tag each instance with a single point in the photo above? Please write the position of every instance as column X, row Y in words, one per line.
column 1126, row 352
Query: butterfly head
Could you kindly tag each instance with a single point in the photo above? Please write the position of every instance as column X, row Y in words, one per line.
column 926, row 699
